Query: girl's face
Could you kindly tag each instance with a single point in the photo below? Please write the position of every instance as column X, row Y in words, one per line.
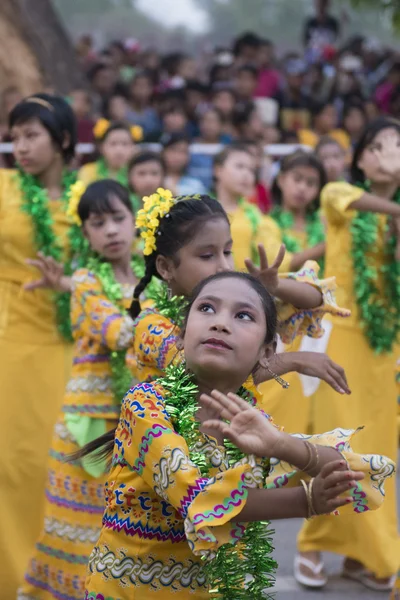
column 299, row 186
column 368, row 161
column 111, row 234
column 237, row 174
column 118, row 107
column 176, row 157
column 34, row 149
column 333, row 159
column 146, row 178
column 225, row 333
column 354, row 122
column 117, row 149
column 208, row 252
column 141, row 90
column 327, row 119
column 211, row 126
column 225, row 102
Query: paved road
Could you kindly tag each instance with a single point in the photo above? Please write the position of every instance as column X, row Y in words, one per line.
column 337, row 589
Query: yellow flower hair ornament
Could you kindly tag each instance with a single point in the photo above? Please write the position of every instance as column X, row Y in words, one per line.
column 136, row 133
column 77, row 190
column 100, row 129
column 155, row 207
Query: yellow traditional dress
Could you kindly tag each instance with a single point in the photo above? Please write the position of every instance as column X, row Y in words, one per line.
column 75, row 490
column 162, row 515
column 34, row 368
column 95, row 171
column 396, row 592
column 373, row 539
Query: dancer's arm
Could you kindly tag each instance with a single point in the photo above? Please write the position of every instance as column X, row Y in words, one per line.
column 51, row 275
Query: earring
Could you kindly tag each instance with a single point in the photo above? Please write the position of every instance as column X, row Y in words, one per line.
column 169, row 291
column 285, row 384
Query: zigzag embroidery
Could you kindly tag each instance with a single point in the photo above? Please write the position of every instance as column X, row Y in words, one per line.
column 155, row 432
column 237, row 496
column 143, row 530
column 192, row 492
column 163, row 351
column 89, row 508
column 77, row 559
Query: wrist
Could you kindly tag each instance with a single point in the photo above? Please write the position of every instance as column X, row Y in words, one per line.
column 64, row 284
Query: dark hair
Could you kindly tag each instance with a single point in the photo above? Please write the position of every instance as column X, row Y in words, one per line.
column 221, row 158
column 115, row 126
column 246, row 39
column 146, row 157
column 59, row 120
column 267, row 300
column 96, row 68
column 370, row 132
column 98, row 197
column 102, row 447
column 327, row 141
column 299, row 159
column 317, row 108
column 242, row 114
column 185, row 219
column 349, row 106
column 248, row 69
column 170, row 139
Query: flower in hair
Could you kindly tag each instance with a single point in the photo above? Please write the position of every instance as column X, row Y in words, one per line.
column 75, row 196
column 100, row 129
column 155, row 207
column 136, row 133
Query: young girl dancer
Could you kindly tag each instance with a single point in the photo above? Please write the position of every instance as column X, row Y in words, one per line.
column 101, row 374
column 180, row 497
column 116, row 144
column 34, row 339
column 188, row 239
column 363, row 252
column 146, row 172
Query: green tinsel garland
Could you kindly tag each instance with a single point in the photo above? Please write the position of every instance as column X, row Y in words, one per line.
column 103, row 172
column 121, row 376
column 379, row 310
column 171, row 307
column 226, row 573
column 315, row 233
column 35, row 203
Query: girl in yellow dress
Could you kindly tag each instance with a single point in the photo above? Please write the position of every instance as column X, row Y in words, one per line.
column 363, row 252
column 101, row 374
column 188, row 239
column 146, row 172
column 295, row 193
column 116, row 145
column 180, row 497
column 35, row 346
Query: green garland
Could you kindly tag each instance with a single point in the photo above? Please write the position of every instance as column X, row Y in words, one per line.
column 315, row 233
column 103, row 172
column 35, row 203
column 226, row 574
column 171, row 308
column 121, row 376
column 379, row 310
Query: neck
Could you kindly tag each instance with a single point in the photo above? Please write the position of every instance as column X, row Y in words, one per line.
column 385, row 190
column 225, row 385
column 51, row 179
column 228, row 199
column 298, row 213
column 122, row 269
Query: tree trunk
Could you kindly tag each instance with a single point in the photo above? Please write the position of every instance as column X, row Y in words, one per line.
column 35, row 50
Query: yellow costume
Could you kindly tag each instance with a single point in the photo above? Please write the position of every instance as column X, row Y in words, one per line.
column 34, row 368
column 97, row 170
column 307, row 137
column 373, row 539
column 162, row 515
column 74, row 491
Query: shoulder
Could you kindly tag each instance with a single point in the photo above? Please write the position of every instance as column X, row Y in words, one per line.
column 88, row 172
column 8, row 180
column 151, row 319
column 144, row 398
column 84, row 279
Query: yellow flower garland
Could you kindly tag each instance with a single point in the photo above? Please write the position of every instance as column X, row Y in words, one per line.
column 155, row 207
column 77, row 190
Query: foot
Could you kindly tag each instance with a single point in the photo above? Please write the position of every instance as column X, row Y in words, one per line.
column 309, row 570
column 353, row 569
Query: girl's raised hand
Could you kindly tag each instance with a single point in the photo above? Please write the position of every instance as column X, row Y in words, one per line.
column 245, row 426
column 52, row 275
column 268, row 275
column 333, row 480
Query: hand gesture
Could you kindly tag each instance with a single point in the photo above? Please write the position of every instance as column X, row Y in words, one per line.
column 52, row 274
column 389, row 155
column 316, row 364
column 248, row 428
column 333, row 480
column 268, row 275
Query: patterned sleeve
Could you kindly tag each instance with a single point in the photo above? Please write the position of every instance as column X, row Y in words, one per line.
column 293, row 321
column 154, row 344
column 368, row 494
column 147, row 442
column 92, row 314
column 270, row 236
column 336, row 200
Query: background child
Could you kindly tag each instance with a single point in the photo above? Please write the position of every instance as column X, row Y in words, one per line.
column 146, row 172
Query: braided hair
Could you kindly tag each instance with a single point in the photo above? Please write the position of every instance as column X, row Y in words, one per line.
column 186, row 217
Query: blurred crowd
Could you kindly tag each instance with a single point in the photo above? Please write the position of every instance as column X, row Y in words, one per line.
column 243, row 93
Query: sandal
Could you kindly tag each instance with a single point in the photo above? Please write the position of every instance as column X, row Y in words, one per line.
column 317, row 580
column 368, row 579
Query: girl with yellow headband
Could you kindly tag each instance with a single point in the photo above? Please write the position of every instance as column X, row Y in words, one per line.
column 101, row 374
column 35, row 340
column 116, row 145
